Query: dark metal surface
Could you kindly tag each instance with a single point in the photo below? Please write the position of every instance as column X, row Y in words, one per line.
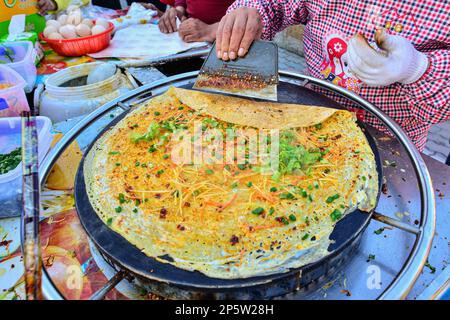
column 169, row 281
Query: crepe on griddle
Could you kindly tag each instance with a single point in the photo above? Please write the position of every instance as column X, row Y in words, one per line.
column 230, row 220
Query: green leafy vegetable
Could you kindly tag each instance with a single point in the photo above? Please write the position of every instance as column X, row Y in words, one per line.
column 336, row 215
column 10, row 160
column 152, row 132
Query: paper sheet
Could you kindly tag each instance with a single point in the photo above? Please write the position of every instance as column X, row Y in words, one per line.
column 144, row 41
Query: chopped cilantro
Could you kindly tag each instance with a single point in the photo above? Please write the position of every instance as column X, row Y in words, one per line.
column 121, row 198
column 294, row 157
column 112, row 153
column 137, row 163
column 109, row 221
column 305, row 236
column 118, row 209
column 271, row 211
column 292, row 217
column 273, row 189
column 379, row 231
column 135, row 210
column 157, row 113
column 152, row 132
column 152, row 149
column 209, row 171
column 249, row 184
column 166, row 156
column 160, row 172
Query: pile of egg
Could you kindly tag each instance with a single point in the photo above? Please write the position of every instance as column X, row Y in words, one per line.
column 72, row 25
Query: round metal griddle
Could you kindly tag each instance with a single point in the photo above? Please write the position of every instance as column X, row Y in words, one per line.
column 181, row 283
column 174, row 282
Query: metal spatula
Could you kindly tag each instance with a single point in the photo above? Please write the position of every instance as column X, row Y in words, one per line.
column 255, row 75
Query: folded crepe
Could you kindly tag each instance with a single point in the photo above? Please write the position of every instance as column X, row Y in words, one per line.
column 225, row 216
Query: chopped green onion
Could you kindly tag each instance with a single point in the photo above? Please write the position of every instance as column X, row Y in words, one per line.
column 258, row 211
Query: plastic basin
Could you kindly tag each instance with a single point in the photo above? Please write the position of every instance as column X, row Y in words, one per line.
column 12, row 98
column 24, row 56
column 80, row 46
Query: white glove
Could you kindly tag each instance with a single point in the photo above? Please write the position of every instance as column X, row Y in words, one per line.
column 396, row 61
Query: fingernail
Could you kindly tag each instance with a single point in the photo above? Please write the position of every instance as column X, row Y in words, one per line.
column 219, row 54
column 225, row 55
column 241, row 52
column 233, row 55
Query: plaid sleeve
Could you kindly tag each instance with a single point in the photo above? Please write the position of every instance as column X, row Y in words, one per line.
column 429, row 97
column 275, row 15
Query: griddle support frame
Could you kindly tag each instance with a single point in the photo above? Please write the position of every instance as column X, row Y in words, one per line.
column 395, row 223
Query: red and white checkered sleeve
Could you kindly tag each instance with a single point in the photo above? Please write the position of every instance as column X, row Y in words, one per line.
column 429, row 97
column 275, row 15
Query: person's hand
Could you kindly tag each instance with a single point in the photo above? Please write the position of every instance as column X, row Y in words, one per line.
column 45, row 6
column 237, row 31
column 168, row 22
column 192, row 30
column 151, row 6
column 396, row 61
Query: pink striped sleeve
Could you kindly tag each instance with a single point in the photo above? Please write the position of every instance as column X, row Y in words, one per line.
column 275, row 15
column 429, row 97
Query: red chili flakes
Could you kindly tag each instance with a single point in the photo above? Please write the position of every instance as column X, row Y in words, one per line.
column 180, row 227
column 158, row 196
column 234, row 239
column 163, row 213
column 187, row 204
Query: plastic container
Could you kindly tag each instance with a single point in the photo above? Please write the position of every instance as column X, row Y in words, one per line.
column 12, row 99
column 11, row 182
column 24, row 56
column 10, row 139
column 80, row 46
column 60, row 102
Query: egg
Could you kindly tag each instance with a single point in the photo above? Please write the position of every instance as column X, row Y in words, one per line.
column 83, row 30
column 97, row 29
column 53, row 23
column 62, row 19
column 74, row 18
column 72, row 8
column 55, row 36
column 68, row 31
column 88, row 22
column 102, row 22
column 49, row 30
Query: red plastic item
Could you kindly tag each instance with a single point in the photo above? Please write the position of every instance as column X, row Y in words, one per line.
column 169, row 2
column 80, row 46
